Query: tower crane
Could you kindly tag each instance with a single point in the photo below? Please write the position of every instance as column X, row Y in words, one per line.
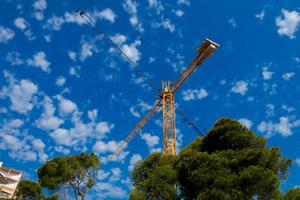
column 165, row 100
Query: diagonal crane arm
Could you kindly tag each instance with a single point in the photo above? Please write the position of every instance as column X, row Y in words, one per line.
column 206, row 49
column 136, row 129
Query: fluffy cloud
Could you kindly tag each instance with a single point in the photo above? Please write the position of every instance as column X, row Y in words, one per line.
column 6, row 34
column 133, row 160
column 106, row 14
column 267, row 75
column 39, row 6
column 151, row 141
column 60, row 81
column 63, row 137
column 21, row 23
column 130, row 6
column 39, row 60
column 56, row 22
column 288, row 24
column 87, row 50
column 232, row 22
column 19, row 145
column 246, row 122
column 20, row 93
column 102, row 128
column 102, row 147
column 194, row 94
column 14, row 58
column 66, row 106
column 287, row 76
column 283, row 127
column 240, row 87
column 47, row 120
column 131, row 50
column 260, row 15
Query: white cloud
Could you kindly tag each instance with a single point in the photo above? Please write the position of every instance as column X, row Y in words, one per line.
column 119, row 39
column 63, row 137
column 232, row 22
column 19, row 145
column 62, row 150
column 157, row 5
column 14, row 58
column 240, row 87
column 130, row 6
column 48, row 121
column 179, row 13
column 39, row 60
column 102, row 147
column 102, row 128
column 72, row 55
column 109, row 190
column 87, row 50
column 165, row 24
column 132, row 51
column 106, row 14
column 151, row 141
column 134, row 112
column 288, row 24
column 283, row 127
column 246, row 122
column 297, row 161
column 270, row 110
column 60, row 81
column 74, row 71
column 185, row 2
column 287, row 76
column 194, row 94
column 21, row 93
column 66, row 106
column 56, row 22
column 6, row 34
column 115, row 175
column 267, row 75
column 39, row 6
column 21, row 23
column 260, row 15
column 133, row 160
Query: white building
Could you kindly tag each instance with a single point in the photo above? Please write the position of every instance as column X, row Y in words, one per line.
column 9, row 180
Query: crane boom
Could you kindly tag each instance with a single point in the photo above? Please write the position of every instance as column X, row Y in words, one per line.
column 136, row 129
column 206, row 49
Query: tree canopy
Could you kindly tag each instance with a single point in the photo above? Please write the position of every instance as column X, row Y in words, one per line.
column 29, row 190
column 229, row 163
column 78, row 171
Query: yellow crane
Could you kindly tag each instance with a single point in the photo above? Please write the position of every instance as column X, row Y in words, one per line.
column 166, row 102
column 165, row 98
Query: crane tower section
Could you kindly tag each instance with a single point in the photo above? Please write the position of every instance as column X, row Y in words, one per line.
column 169, row 132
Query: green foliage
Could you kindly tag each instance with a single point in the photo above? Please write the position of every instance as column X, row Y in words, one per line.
column 155, row 178
column 230, row 162
column 292, row 194
column 78, row 171
column 29, row 190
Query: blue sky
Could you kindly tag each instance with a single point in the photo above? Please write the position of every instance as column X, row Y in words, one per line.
column 65, row 90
